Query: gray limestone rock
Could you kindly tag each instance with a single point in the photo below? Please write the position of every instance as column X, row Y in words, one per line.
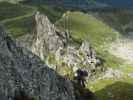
column 22, row 70
column 47, row 38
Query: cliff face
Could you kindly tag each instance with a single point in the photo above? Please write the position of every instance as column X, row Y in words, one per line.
column 20, row 70
column 48, row 40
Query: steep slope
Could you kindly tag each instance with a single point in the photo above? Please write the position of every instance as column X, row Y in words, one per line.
column 22, row 71
column 47, row 39
column 12, row 1
column 118, row 18
column 71, row 4
column 118, row 3
column 59, row 49
column 86, row 27
column 16, row 18
column 9, row 11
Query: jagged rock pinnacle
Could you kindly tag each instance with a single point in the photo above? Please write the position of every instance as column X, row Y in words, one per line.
column 49, row 40
column 46, row 38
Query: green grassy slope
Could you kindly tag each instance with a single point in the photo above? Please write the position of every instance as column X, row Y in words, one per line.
column 18, row 19
column 53, row 13
column 119, row 19
column 111, row 89
column 11, row 1
column 86, row 27
column 8, row 10
column 20, row 27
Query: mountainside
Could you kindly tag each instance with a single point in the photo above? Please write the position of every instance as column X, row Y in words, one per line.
column 84, row 3
column 119, row 19
column 118, row 3
column 98, row 41
column 47, row 39
column 61, row 51
column 22, row 73
column 16, row 18
column 12, row 1
column 84, row 26
column 75, row 4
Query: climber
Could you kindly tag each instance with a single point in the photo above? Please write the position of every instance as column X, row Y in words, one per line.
column 80, row 77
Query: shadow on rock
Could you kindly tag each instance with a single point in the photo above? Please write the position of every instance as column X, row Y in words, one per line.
column 116, row 91
column 21, row 95
column 82, row 93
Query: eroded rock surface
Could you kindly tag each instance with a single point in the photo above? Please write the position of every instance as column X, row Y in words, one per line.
column 49, row 40
column 22, row 70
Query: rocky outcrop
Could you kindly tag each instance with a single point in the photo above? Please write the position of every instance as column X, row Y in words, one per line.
column 49, row 40
column 78, row 57
column 20, row 70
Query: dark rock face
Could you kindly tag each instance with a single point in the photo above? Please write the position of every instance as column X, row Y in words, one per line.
column 20, row 70
column 83, row 93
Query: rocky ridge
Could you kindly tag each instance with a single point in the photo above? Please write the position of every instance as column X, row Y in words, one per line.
column 20, row 70
column 48, row 40
column 46, row 37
